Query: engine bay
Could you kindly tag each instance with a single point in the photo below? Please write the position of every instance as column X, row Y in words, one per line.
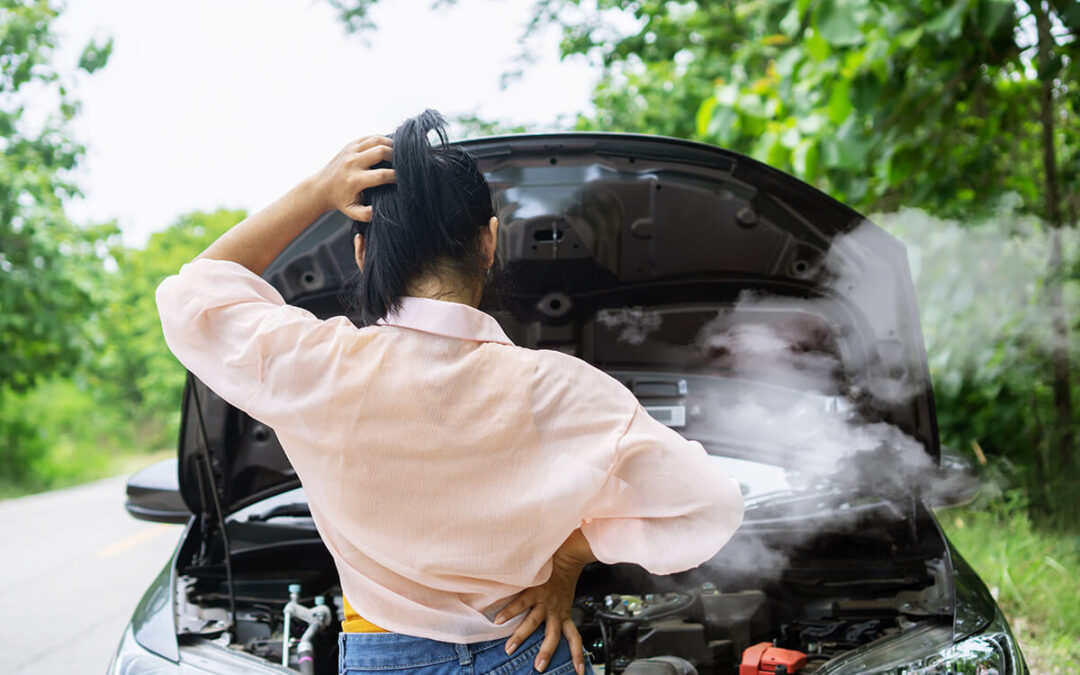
column 789, row 614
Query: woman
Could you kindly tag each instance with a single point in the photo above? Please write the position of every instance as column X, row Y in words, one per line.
column 460, row 482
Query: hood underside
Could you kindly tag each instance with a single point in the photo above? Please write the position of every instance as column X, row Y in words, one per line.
column 625, row 250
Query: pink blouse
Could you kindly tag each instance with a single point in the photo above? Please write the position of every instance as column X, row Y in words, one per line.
column 443, row 465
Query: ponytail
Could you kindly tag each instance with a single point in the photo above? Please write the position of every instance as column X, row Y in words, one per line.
column 427, row 222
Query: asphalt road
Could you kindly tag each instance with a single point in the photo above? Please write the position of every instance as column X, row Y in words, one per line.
column 75, row 566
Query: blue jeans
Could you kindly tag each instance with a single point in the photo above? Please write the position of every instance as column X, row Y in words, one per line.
column 386, row 653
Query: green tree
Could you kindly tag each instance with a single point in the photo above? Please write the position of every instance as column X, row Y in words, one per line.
column 926, row 103
column 44, row 293
column 49, row 268
column 123, row 400
column 134, row 368
column 473, row 126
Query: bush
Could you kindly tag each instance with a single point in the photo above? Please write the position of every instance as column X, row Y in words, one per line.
column 58, row 434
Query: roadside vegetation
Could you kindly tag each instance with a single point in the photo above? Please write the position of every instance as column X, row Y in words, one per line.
column 1034, row 572
column 954, row 122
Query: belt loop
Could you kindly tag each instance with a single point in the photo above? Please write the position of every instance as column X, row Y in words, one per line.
column 464, row 655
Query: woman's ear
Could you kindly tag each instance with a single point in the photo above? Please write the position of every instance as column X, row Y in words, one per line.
column 358, row 247
column 491, row 237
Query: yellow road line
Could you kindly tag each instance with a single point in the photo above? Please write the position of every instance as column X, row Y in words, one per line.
column 134, row 540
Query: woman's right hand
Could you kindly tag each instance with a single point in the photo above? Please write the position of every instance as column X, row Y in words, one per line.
column 550, row 603
column 338, row 184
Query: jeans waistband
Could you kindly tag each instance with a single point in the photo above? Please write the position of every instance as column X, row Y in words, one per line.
column 394, row 650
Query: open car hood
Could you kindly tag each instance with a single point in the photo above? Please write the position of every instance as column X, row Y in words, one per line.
column 622, row 249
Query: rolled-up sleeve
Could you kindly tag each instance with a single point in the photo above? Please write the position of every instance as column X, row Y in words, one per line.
column 665, row 505
column 234, row 331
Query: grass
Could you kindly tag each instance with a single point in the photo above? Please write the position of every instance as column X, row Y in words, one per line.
column 1033, row 573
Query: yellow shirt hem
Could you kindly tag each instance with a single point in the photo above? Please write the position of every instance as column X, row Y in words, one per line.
column 354, row 623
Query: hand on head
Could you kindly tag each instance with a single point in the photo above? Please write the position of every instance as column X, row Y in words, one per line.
column 341, row 182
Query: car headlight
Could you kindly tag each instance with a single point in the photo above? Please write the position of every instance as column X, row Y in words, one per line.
column 931, row 650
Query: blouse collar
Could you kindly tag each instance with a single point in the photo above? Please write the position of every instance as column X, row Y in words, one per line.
column 441, row 317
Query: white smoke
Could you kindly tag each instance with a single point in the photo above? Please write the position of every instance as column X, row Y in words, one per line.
column 794, row 396
column 634, row 323
column 981, row 289
column 980, row 292
column 762, row 353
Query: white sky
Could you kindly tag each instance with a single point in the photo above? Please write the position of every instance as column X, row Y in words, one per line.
column 209, row 103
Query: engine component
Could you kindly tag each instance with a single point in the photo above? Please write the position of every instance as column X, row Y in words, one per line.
column 317, row 618
column 660, row 638
column 829, row 636
column 816, row 632
column 765, row 659
column 742, row 617
column 661, row 665
column 863, row 632
column 193, row 617
column 638, row 609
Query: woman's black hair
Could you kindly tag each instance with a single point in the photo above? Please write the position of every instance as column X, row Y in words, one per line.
column 427, row 222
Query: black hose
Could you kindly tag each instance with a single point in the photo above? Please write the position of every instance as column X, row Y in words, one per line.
column 609, row 657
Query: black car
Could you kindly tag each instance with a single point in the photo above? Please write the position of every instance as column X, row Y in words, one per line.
column 745, row 309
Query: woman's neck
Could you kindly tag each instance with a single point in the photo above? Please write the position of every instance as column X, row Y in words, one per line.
column 438, row 289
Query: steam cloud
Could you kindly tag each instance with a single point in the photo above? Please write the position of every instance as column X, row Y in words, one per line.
column 635, row 322
column 800, row 401
column 979, row 285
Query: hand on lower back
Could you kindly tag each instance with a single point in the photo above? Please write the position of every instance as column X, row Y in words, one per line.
column 550, row 603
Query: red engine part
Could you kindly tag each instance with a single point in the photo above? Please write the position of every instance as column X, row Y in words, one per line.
column 764, row 659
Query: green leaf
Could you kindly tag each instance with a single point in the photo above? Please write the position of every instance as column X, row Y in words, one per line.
column 705, row 115
column 848, row 149
column 949, row 23
column 817, row 47
column 724, row 127
column 792, row 22
column 837, row 24
column 354, row 14
column 94, row 56
column 866, row 91
column 853, row 61
column 752, row 105
column 900, row 166
column 789, row 61
column 777, row 155
column 811, row 125
column 727, row 95
column 840, row 102
column 805, row 159
column 992, row 12
column 910, row 38
column 1070, row 15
